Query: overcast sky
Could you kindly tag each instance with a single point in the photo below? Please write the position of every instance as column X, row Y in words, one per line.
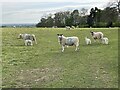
column 30, row 11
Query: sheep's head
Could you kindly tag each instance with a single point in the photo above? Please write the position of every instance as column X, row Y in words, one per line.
column 92, row 33
column 19, row 36
column 60, row 38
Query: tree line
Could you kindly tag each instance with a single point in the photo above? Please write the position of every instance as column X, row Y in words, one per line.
column 108, row 17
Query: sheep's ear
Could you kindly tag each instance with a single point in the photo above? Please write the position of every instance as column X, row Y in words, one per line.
column 91, row 31
column 58, row 34
column 61, row 35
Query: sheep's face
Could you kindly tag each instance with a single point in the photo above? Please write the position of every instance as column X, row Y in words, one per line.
column 20, row 36
column 92, row 33
column 29, row 43
column 60, row 38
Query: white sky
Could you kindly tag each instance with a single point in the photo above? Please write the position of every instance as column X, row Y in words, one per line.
column 31, row 11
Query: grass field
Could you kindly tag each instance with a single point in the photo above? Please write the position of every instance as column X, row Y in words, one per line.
column 45, row 66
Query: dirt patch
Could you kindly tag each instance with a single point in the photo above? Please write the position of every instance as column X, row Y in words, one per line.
column 39, row 76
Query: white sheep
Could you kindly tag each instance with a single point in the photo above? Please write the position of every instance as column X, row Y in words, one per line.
column 68, row 41
column 27, row 37
column 87, row 40
column 73, row 27
column 68, row 28
column 96, row 35
column 28, row 42
column 105, row 40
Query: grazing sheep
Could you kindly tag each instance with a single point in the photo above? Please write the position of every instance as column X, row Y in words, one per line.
column 28, row 43
column 54, row 26
column 96, row 35
column 73, row 27
column 27, row 37
column 68, row 28
column 105, row 40
column 68, row 41
column 87, row 40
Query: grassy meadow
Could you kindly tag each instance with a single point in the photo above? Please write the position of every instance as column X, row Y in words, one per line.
column 43, row 65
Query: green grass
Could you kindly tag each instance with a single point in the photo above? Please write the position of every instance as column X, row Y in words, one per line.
column 44, row 65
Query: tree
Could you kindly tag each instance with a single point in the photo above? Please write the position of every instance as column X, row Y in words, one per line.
column 97, row 18
column 41, row 23
column 49, row 22
column 60, row 19
column 68, row 21
column 75, row 17
column 90, row 21
column 114, row 3
column 90, row 18
column 83, row 12
column 109, row 14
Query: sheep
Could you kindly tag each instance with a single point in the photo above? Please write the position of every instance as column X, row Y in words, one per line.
column 28, row 43
column 68, row 28
column 27, row 37
column 87, row 40
column 105, row 40
column 54, row 26
column 68, row 41
column 73, row 27
column 96, row 35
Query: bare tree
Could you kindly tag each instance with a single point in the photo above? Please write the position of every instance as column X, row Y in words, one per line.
column 83, row 11
column 114, row 3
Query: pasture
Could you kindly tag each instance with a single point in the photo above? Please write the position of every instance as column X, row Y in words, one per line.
column 43, row 65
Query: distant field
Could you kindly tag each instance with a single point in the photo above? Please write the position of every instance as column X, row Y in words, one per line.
column 45, row 66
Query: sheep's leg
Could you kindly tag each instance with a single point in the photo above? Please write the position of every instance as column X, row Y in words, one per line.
column 34, row 38
column 76, row 46
column 107, row 42
column 35, row 41
column 62, row 48
column 25, row 43
column 31, row 44
column 90, row 42
column 87, row 42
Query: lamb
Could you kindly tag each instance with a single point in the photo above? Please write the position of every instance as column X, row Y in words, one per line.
column 28, row 42
column 31, row 37
column 105, row 40
column 68, row 28
column 87, row 40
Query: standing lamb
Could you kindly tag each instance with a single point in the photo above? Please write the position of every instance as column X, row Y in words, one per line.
column 87, row 40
